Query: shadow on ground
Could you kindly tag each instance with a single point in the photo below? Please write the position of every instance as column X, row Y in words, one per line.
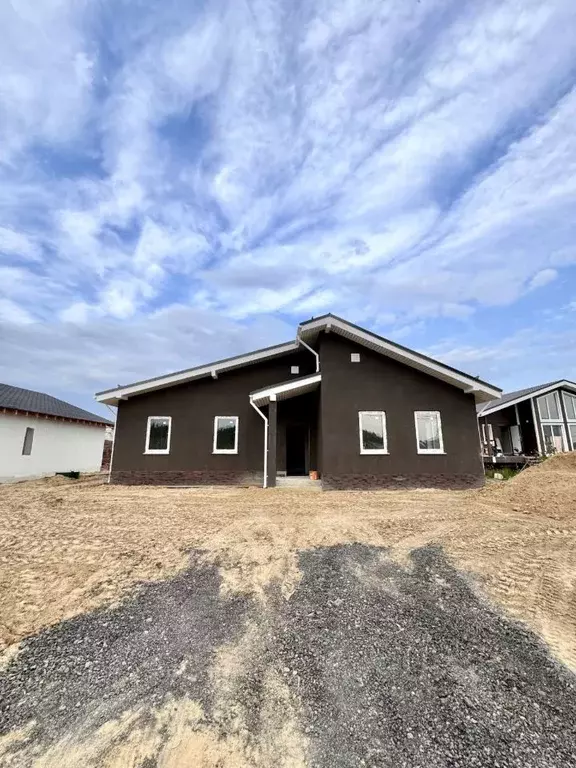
column 384, row 664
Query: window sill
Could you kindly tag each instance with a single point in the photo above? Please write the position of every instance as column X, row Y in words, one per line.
column 156, row 453
column 215, row 453
column 375, row 452
column 432, row 453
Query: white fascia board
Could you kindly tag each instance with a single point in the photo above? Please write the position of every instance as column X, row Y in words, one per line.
column 537, row 393
column 112, row 396
column 280, row 389
column 479, row 389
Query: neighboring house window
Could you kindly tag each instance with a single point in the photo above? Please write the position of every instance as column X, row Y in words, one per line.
column 572, row 433
column 549, row 408
column 553, row 438
column 373, row 432
column 28, row 440
column 429, row 432
column 295, row 369
column 355, row 357
column 226, row 434
column 158, row 434
column 570, row 405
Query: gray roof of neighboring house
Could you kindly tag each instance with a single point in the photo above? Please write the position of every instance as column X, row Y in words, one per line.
column 509, row 397
column 18, row 399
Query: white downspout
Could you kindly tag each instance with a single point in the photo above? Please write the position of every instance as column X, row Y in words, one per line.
column 253, row 404
column 309, row 348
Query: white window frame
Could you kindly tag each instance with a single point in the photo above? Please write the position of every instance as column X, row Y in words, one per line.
column 571, row 443
column 440, row 435
column 565, row 397
column 555, row 423
column 148, row 450
column 373, row 451
column 545, row 419
column 226, row 450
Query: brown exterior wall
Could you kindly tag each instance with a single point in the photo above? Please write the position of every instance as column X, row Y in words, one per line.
column 193, row 407
column 380, row 383
column 376, row 383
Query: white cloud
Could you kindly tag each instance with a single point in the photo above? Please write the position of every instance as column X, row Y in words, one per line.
column 74, row 357
column 46, row 75
column 18, row 245
column 543, row 277
column 399, row 164
column 11, row 312
column 78, row 312
column 531, row 355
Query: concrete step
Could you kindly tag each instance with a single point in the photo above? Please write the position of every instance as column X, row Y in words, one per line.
column 293, row 481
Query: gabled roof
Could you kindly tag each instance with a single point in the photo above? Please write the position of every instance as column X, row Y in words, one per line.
column 513, row 398
column 481, row 390
column 112, row 396
column 307, row 334
column 27, row 400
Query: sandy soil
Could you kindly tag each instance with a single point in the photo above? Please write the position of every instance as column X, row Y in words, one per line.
column 67, row 547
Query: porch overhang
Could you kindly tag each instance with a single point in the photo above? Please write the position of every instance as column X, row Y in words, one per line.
column 286, row 389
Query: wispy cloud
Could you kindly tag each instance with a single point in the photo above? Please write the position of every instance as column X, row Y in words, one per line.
column 409, row 165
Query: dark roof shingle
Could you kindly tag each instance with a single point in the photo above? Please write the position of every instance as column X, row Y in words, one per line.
column 509, row 396
column 18, row 399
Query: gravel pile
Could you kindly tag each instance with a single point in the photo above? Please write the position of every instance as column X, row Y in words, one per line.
column 112, row 661
column 406, row 667
column 385, row 666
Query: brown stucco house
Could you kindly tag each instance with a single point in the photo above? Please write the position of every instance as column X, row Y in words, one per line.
column 338, row 400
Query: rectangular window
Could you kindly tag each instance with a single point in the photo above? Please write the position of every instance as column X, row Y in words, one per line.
column 428, row 432
column 548, row 407
column 28, row 440
column 553, row 438
column 226, row 434
column 372, row 432
column 158, row 434
column 572, row 431
column 570, row 405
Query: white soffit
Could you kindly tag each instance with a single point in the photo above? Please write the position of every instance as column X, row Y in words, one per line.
column 285, row 390
column 482, row 392
column 113, row 396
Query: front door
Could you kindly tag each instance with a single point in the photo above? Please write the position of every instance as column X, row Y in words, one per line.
column 296, row 449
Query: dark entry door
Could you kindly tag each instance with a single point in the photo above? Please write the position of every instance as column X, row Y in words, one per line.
column 296, row 449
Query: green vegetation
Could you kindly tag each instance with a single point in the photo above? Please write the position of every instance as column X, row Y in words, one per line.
column 506, row 472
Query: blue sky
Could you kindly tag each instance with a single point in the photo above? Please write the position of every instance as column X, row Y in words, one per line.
column 182, row 181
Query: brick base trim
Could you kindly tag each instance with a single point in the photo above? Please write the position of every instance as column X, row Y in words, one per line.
column 373, row 482
column 185, row 477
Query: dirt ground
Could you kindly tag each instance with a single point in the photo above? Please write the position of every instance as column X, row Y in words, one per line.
column 68, row 548
column 71, row 546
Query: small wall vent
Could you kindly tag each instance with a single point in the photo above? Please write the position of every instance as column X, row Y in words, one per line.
column 355, row 357
column 295, row 369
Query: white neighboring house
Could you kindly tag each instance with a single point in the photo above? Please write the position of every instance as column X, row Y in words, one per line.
column 41, row 435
